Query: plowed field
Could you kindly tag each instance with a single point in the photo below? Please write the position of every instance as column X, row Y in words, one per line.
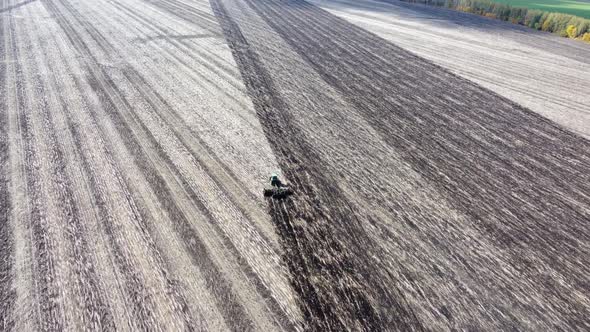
column 136, row 137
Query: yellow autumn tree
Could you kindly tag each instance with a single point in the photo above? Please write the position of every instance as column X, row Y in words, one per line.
column 572, row 31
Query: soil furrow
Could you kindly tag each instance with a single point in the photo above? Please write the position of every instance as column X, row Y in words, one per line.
column 144, row 306
column 76, row 107
column 23, row 273
column 186, row 65
column 187, row 13
column 200, row 77
column 233, row 310
column 94, row 311
column 7, row 292
column 47, row 293
column 156, row 102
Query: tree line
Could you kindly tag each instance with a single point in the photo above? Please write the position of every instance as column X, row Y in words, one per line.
column 565, row 25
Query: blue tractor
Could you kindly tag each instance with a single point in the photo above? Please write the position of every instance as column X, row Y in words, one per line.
column 277, row 188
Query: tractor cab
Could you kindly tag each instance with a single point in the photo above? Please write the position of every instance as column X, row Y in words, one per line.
column 277, row 188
